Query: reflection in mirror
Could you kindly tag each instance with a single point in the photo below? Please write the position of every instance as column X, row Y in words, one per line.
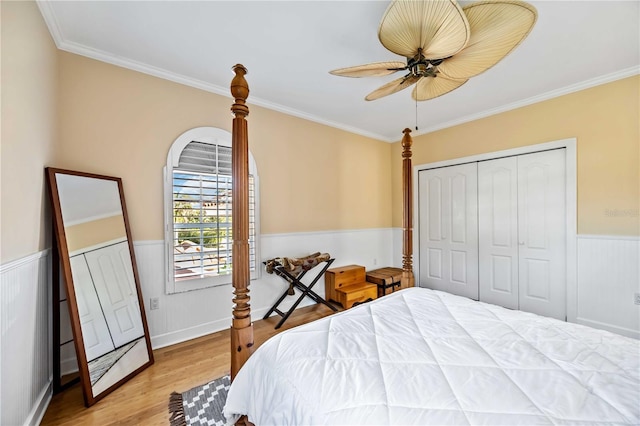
column 104, row 299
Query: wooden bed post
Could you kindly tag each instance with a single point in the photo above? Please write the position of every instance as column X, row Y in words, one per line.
column 407, row 279
column 241, row 326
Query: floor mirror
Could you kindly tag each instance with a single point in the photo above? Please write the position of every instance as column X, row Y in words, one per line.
column 98, row 267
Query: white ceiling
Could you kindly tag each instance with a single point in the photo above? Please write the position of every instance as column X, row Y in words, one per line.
column 289, row 47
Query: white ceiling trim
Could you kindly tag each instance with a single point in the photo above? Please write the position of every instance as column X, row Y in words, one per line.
column 79, row 49
column 607, row 78
column 50, row 19
column 49, row 16
column 202, row 85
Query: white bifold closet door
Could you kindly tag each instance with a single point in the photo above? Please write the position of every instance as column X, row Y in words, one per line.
column 95, row 332
column 498, row 231
column 542, row 233
column 112, row 274
column 522, row 228
column 449, row 229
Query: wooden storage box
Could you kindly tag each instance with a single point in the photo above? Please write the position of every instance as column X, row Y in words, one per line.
column 336, row 278
column 387, row 279
column 357, row 293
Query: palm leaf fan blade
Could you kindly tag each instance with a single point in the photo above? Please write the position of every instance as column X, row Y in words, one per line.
column 497, row 27
column 392, row 87
column 376, row 69
column 432, row 87
column 438, row 28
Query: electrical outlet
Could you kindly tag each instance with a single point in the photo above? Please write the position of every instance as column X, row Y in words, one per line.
column 154, row 303
column 636, row 298
column 375, row 261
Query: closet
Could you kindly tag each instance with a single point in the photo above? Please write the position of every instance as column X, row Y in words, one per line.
column 494, row 231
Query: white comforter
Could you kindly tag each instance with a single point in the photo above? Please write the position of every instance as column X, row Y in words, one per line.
column 426, row 357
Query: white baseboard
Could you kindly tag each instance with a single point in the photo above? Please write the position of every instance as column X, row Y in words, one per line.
column 68, row 366
column 40, row 407
column 609, row 327
column 179, row 336
column 188, row 315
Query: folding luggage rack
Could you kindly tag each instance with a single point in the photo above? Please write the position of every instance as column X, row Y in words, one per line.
column 306, row 290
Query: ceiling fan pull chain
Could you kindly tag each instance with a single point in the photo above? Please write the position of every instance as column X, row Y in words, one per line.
column 416, row 115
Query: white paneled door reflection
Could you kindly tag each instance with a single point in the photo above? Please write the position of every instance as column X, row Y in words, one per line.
column 95, row 332
column 112, row 275
column 449, row 241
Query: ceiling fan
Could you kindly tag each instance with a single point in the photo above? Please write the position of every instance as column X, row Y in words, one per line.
column 445, row 44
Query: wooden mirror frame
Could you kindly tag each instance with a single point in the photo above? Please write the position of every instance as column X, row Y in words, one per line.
column 65, row 263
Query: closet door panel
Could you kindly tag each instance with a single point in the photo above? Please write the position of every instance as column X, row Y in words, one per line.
column 448, row 229
column 95, row 332
column 434, row 264
column 113, row 278
column 541, row 233
column 498, row 231
column 432, row 260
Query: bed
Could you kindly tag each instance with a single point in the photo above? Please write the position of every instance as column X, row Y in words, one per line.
column 419, row 356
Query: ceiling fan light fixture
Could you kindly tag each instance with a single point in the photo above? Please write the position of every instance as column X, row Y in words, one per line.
column 444, row 44
column 420, row 68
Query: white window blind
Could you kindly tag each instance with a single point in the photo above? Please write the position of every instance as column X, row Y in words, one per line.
column 202, row 238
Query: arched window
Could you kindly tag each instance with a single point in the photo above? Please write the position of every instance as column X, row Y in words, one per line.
column 198, row 186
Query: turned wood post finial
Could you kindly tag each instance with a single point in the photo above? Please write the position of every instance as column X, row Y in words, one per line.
column 240, row 91
column 407, row 141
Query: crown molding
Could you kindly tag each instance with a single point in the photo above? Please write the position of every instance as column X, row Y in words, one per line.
column 49, row 17
column 586, row 84
column 127, row 63
column 50, row 20
column 46, row 9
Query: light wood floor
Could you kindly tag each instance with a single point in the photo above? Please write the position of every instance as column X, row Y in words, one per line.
column 144, row 399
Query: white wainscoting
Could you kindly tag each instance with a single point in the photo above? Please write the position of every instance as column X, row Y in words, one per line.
column 25, row 345
column 608, row 277
column 188, row 315
column 397, row 248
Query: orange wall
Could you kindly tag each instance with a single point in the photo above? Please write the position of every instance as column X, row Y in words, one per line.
column 64, row 110
column 29, row 129
column 118, row 122
column 88, row 234
column 605, row 120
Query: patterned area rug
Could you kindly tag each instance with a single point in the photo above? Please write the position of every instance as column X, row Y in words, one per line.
column 201, row 405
